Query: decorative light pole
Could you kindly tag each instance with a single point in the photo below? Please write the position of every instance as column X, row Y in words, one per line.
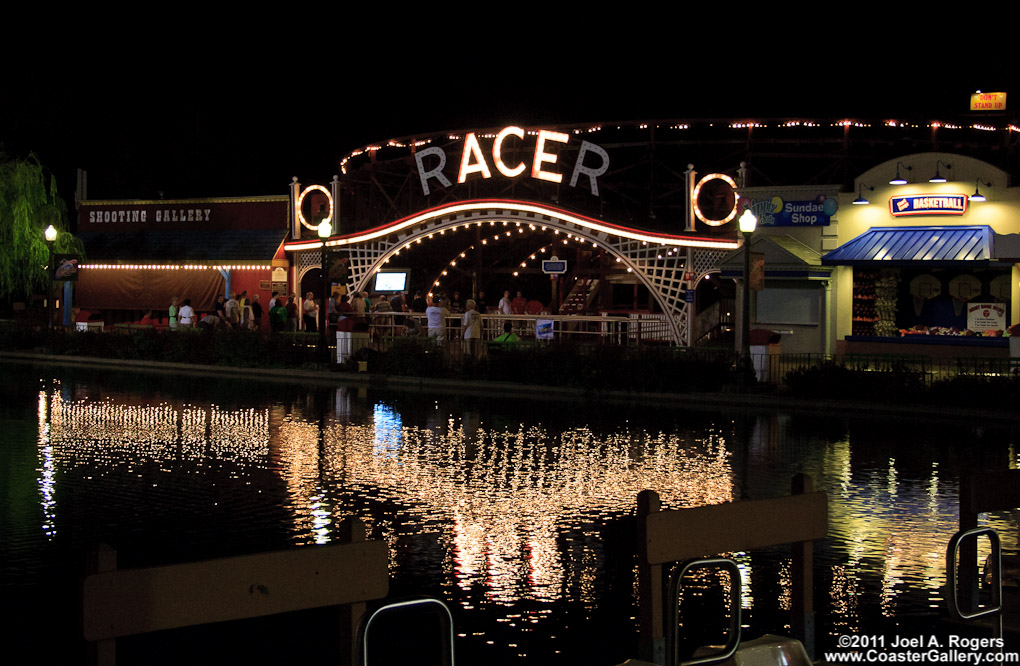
column 325, row 230
column 747, row 222
column 51, row 237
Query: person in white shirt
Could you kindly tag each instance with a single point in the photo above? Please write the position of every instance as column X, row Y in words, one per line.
column 436, row 315
column 505, row 304
column 471, row 325
column 311, row 312
column 231, row 310
column 187, row 314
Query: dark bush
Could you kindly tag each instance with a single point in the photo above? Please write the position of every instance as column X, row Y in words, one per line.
column 893, row 383
column 558, row 363
column 976, row 392
column 235, row 348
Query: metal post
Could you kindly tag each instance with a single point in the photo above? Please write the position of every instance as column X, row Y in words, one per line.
column 745, row 320
column 50, row 301
column 68, row 300
column 325, row 230
column 689, row 177
column 747, row 222
column 323, row 349
column 51, row 236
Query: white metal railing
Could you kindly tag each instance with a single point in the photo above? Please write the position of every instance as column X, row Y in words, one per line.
column 555, row 327
column 648, row 326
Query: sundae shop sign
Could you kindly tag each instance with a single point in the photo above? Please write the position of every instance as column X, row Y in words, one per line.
column 542, row 160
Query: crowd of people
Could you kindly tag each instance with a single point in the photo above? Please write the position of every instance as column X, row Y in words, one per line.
column 235, row 311
column 379, row 315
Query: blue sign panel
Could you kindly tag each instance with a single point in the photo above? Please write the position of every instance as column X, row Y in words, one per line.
column 554, row 266
column 776, row 212
column 928, row 204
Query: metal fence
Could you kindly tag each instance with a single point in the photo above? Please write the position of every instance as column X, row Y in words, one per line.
column 776, row 367
column 611, row 329
column 593, row 333
column 382, row 331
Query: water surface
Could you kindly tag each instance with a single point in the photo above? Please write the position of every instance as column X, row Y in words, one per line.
column 518, row 513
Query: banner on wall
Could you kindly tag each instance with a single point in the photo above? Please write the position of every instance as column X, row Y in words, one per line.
column 141, row 289
column 927, row 204
column 65, row 267
column 757, row 279
column 776, row 211
column 986, row 317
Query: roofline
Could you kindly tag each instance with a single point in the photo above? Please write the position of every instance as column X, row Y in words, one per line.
column 468, row 205
column 269, row 198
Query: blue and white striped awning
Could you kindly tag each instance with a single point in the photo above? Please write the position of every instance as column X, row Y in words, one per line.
column 915, row 245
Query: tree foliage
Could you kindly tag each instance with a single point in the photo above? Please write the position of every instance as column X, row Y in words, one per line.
column 28, row 204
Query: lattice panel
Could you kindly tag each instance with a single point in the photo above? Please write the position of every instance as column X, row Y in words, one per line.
column 307, row 260
column 707, row 260
column 662, row 268
column 364, row 257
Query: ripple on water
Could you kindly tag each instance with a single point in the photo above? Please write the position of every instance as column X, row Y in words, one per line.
column 520, row 517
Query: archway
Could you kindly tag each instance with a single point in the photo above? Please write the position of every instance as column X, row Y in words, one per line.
column 667, row 265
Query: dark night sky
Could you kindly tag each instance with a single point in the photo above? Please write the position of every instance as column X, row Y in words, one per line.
column 246, row 118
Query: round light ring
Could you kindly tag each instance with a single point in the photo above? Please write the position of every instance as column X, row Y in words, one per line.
column 301, row 198
column 697, row 190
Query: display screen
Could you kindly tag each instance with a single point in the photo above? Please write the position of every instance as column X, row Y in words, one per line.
column 391, row 281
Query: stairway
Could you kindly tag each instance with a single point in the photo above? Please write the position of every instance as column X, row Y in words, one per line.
column 580, row 296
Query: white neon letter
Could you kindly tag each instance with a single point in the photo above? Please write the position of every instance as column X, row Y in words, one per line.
column 592, row 174
column 471, row 148
column 497, row 149
column 437, row 173
column 542, row 156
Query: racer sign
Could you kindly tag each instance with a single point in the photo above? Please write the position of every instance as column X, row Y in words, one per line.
column 592, row 160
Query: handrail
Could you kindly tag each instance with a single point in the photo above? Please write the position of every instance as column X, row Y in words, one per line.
column 676, row 588
column 441, row 609
column 116, row 603
column 953, row 601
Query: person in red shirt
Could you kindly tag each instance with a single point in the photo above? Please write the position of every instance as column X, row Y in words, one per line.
column 520, row 304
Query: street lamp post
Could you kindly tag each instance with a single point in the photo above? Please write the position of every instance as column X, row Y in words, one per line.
column 51, row 236
column 325, row 230
column 747, row 222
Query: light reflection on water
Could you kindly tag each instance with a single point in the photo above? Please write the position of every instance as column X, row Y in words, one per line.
column 506, row 495
column 505, row 516
column 497, row 500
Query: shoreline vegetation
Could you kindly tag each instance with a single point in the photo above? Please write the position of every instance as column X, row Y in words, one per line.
column 662, row 374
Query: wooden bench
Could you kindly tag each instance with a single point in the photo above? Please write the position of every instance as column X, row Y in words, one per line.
column 126, row 602
column 665, row 537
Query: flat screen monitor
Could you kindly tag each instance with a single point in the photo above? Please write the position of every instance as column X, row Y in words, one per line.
column 391, row 281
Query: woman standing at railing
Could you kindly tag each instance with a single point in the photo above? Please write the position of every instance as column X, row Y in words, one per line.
column 471, row 325
column 436, row 315
column 382, row 319
column 311, row 313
